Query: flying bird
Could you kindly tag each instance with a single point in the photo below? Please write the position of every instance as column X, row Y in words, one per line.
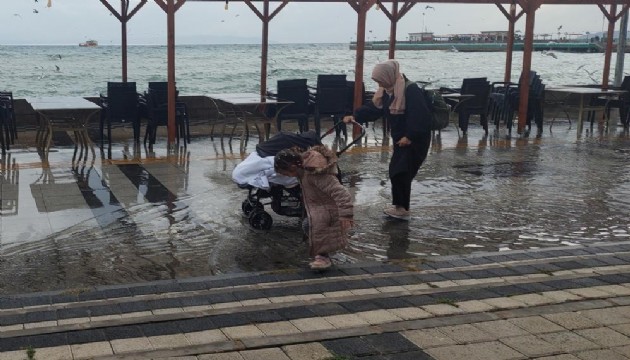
column 429, row 7
column 57, row 68
column 580, row 67
column 559, row 27
column 35, row 11
column 18, row 15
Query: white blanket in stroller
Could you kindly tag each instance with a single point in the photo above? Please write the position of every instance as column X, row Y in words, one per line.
column 258, row 172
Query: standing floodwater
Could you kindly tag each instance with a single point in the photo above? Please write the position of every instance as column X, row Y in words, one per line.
column 147, row 216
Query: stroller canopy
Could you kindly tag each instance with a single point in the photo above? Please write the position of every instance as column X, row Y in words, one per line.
column 287, row 140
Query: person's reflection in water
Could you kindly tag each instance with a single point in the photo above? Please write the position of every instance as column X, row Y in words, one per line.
column 398, row 232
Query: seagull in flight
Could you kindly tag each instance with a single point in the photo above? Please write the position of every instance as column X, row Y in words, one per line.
column 18, row 15
column 559, row 27
column 429, row 7
column 35, row 11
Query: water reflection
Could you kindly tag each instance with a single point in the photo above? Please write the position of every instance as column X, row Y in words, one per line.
column 398, row 233
column 9, row 182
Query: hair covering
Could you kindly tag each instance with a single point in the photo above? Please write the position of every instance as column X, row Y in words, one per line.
column 387, row 73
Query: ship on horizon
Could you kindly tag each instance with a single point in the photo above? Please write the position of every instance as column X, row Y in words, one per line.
column 89, row 43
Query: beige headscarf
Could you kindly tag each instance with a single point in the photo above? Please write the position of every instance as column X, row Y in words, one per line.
column 388, row 74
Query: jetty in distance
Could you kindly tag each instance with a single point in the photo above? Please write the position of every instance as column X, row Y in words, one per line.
column 489, row 41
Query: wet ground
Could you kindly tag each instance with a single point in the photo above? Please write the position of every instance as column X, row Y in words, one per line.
column 153, row 215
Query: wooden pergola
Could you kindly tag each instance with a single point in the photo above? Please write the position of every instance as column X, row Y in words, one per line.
column 514, row 11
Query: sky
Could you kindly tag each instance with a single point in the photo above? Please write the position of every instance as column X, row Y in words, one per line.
column 73, row 21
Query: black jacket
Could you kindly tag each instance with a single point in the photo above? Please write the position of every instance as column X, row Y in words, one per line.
column 414, row 123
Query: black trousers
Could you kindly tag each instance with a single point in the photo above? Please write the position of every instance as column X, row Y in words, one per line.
column 404, row 166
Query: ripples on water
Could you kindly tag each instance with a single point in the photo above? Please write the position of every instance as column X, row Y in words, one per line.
column 31, row 70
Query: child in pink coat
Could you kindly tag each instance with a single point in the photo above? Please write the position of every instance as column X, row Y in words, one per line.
column 328, row 203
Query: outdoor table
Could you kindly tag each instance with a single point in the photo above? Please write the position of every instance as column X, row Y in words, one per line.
column 244, row 102
column 63, row 113
column 585, row 94
column 455, row 100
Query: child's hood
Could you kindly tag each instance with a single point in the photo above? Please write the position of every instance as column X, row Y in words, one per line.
column 319, row 159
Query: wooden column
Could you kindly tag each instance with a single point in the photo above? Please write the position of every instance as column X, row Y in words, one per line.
column 265, row 17
column 530, row 7
column 392, row 30
column 612, row 19
column 170, row 7
column 361, row 7
column 124, row 16
column 265, row 49
column 621, row 48
column 170, row 50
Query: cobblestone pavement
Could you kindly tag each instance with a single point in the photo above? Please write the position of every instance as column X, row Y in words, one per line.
column 558, row 303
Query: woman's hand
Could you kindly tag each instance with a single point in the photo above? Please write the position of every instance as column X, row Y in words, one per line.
column 348, row 119
column 404, row 141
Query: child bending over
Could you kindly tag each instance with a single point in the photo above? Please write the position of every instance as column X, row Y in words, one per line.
column 327, row 202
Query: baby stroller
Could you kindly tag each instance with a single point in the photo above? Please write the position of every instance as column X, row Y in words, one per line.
column 284, row 195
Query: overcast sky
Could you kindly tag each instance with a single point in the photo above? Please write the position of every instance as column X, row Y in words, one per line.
column 74, row 21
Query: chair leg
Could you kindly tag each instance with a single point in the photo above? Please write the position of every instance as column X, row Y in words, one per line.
column 463, row 122
column 318, row 124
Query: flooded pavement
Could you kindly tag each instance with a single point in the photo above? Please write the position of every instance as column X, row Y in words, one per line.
column 152, row 215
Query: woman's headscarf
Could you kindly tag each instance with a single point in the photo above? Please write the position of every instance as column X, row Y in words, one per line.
column 388, row 74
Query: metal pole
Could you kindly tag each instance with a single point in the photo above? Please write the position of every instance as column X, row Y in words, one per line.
column 621, row 49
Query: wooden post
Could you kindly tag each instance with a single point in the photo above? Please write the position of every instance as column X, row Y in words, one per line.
column 124, row 16
column 361, row 7
column 123, row 41
column 609, row 45
column 170, row 44
column 265, row 49
column 530, row 7
column 621, row 47
column 392, row 30
column 510, row 44
column 265, row 17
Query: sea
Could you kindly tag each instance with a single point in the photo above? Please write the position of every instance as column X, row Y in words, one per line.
column 204, row 69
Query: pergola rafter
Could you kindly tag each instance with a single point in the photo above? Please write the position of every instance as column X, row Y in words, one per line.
column 124, row 16
column 265, row 17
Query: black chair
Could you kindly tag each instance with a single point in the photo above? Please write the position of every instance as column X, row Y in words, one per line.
column 478, row 105
column 331, row 101
column 505, row 100
column 121, row 105
column 8, row 127
column 622, row 104
column 155, row 108
column 295, row 90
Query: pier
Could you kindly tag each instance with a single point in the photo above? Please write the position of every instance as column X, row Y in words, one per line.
column 576, row 47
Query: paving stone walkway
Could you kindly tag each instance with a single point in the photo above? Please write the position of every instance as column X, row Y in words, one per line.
column 563, row 303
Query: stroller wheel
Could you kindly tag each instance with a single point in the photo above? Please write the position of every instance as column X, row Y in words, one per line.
column 260, row 220
column 248, row 206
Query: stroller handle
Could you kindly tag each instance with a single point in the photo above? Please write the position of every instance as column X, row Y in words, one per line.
column 354, row 141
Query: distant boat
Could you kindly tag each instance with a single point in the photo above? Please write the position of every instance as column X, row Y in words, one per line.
column 89, row 43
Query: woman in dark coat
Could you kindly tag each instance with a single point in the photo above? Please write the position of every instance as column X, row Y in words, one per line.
column 403, row 105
